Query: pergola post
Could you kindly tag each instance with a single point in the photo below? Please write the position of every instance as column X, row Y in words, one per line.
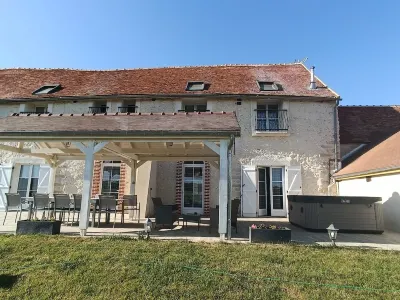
column 223, row 188
column 89, row 150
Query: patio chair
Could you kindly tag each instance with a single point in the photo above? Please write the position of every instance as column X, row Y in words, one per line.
column 62, row 204
column 130, row 203
column 14, row 203
column 77, row 206
column 41, row 202
column 214, row 215
column 107, row 204
column 234, row 213
column 165, row 214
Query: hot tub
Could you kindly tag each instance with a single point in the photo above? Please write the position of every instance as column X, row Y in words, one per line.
column 359, row 214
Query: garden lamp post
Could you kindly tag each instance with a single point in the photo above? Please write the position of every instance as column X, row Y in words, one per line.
column 332, row 232
column 147, row 227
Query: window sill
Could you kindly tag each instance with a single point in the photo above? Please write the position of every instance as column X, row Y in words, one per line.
column 271, row 133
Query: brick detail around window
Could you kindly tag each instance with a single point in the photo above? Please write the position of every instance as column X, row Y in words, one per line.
column 96, row 180
column 178, row 189
column 207, row 186
column 122, row 181
column 179, row 186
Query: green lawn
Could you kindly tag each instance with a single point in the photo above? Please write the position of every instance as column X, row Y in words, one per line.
column 40, row 267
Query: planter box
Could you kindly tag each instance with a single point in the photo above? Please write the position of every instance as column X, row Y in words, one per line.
column 38, row 227
column 270, row 235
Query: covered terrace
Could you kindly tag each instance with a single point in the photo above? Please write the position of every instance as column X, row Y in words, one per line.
column 131, row 138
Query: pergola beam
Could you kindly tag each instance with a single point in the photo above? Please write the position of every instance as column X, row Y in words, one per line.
column 214, row 147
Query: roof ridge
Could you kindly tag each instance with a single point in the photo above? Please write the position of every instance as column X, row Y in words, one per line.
column 152, row 68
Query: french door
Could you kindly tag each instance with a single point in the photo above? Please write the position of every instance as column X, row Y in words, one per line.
column 193, row 187
column 110, row 178
column 271, row 191
column 28, row 180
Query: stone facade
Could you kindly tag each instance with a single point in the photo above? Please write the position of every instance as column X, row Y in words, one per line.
column 309, row 143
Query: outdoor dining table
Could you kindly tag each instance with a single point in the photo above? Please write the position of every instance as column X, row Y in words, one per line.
column 94, row 204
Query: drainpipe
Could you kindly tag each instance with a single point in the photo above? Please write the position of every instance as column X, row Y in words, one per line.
column 230, row 186
column 335, row 131
column 335, row 137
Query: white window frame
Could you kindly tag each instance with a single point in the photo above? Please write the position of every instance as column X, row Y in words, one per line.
column 195, row 106
column 108, row 164
column 197, row 210
column 281, row 106
column 28, row 188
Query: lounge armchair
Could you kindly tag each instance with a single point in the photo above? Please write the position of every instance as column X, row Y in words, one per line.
column 165, row 214
column 214, row 215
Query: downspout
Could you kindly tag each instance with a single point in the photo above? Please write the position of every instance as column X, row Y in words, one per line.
column 231, row 143
column 335, row 130
column 335, row 138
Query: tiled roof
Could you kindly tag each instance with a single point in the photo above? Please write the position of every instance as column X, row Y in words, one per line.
column 384, row 156
column 367, row 124
column 230, row 79
column 135, row 124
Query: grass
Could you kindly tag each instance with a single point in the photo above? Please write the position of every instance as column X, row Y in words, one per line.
column 39, row 267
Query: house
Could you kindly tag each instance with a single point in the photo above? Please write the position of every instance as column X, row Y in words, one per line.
column 194, row 136
column 370, row 148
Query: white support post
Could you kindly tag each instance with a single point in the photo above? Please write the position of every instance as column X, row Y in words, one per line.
column 89, row 150
column 223, row 189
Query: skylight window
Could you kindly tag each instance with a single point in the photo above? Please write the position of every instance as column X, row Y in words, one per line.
column 47, row 89
column 194, row 86
column 267, row 86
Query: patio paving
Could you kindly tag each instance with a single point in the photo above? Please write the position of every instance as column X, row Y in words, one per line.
column 386, row 241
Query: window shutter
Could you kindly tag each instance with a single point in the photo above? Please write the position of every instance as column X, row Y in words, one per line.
column 44, row 179
column 5, row 183
column 249, row 191
column 294, row 180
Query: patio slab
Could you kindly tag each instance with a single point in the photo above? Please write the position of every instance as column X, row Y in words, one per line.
column 386, row 241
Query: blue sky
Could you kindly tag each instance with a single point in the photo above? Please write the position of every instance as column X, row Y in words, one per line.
column 354, row 44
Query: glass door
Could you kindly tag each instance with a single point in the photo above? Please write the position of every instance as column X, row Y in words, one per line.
column 28, row 180
column 110, row 178
column 277, row 192
column 193, row 183
column 264, row 203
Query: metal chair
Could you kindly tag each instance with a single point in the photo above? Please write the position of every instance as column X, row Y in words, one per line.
column 62, row 204
column 77, row 206
column 107, row 204
column 130, row 203
column 41, row 202
column 14, row 203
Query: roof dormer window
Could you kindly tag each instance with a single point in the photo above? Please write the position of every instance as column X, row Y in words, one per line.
column 194, row 86
column 47, row 89
column 267, row 86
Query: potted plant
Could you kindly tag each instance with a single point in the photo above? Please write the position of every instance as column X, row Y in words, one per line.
column 263, row 233
column 36, row 226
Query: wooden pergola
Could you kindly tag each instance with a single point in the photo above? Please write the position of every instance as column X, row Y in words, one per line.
column 209, row 140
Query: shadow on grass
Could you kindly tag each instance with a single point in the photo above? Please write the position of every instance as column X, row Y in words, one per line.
column 8, row 281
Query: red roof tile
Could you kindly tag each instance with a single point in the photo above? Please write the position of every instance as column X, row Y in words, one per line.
column 235, row 79
column 367, row 124
column 120, row 124
column 384, row 156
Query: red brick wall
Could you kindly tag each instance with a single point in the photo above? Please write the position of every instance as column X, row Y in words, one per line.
column 207, row 185
column 122, row 181
column 179, row 186
column 96, row 178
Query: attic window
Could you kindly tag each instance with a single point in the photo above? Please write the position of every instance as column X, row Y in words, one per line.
column 47, row 89
column 267, row 86
column 194, row 86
